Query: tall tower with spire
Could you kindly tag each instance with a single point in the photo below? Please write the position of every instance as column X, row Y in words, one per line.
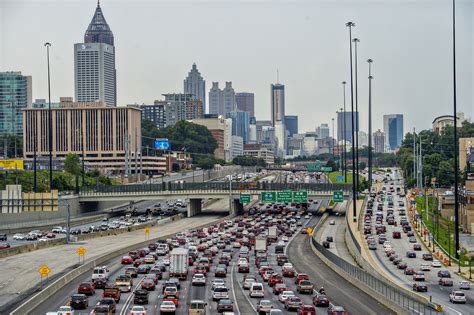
column 95, row 76
column 196, row 85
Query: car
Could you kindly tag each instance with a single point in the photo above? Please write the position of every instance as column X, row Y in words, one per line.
column 220, row 293
column 445, row 282
column 409, row 271
column 457, row 297
column 464, row 285
column 110, row 303
column 427, row 256
column 419, row 276
column 285, row 295
column 329, row 239
column 148, row 284
column 332, row 222
column 86, row 288
column 79, row 301
column 301, row 276
column 425, row 267
column 336, row 310
column 4, row 245
column 220, row 272
column 289, row 272
column 256, row 290
column 305, row 286
column 225, row 305
column 412, row 239
column 411, row 254
column 276, row 311
column 274, row 279
column 293, row 303
column 3, row 237
column 436, row 263
column 131, row 271
column 19, row 237
column 126, row 260
column 140, row 296
column 264, row 306
column 417, row 247
column 402, row 266
column 198, row 279
column 99, row 283
column 444, row 274
column 279, row 288
column 167, row 307
column 307, row 310
column 420, row 287
column 320, row 300
column 138, row 310
column 247, row 284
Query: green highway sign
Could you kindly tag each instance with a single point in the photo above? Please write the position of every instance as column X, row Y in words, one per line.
column 245, row 198
column 284, row 196
column 327, row 169
column 268, row 197
column 338, row 196
column 300, row 196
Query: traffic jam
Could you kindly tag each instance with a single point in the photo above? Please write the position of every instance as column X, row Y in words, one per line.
column 236, row 267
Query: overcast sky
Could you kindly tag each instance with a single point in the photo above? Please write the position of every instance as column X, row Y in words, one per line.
column 245, row 42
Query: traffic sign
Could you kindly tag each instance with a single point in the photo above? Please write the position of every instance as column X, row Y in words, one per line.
column 245, row 198
column 418, row 216
column 338, row 196
column 339, row 179
column 309, row 230
column 430, row 236
column 268, row 196
column 44, row 271
column 327, row 169
column 284, row 196
column 300, row 196
column 147, row 231
column 81, row 251
column 413, row 202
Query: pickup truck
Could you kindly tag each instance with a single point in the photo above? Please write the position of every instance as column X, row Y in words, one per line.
column 305, row 286
column 112, row 292
column 124, row 282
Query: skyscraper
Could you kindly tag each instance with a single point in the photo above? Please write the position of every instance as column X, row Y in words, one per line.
column 15, row 95
column 245, row 102
column 393, row 128
column 228, row 98
column 221, row 101
column 323, row 131
column 196, row 85
column 240, row 124
column 278, row 103
column 94, row 63
column 347, row 117
column 379, row 141
column 291, row 124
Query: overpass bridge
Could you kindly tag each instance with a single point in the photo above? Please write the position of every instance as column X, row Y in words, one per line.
column 196, row 192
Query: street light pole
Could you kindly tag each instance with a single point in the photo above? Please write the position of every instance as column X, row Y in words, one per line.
column 35, row 148
column 50, row 122
column 356, row 40
column 354, row 193
column 333, row 138
column 456, row 153
column 369, row 61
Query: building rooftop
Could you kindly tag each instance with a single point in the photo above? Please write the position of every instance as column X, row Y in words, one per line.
column 98, row 30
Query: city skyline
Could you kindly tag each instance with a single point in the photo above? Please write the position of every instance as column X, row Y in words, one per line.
column 389, row 75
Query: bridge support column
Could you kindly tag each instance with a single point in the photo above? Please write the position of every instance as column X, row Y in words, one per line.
column 194, row 207
column 237, row 208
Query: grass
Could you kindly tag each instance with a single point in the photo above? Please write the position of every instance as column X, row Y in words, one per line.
column 332, row 178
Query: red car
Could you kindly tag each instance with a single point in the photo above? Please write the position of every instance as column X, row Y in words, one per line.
column 307, row 310
column 274, row 279
column 278, row 288
column 137, row 262
column 301, row 276
column 148, row 284
column 289, row 272
column 172, row 298
column 127, row 260
column 190, row 261
column 200, row 269
column 4, row 245
column 51, row 235
column 86, row 288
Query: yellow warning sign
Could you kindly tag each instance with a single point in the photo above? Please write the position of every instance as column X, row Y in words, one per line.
column 81, row 251
column 44, row 271
column 310, row 230
column 147, row 231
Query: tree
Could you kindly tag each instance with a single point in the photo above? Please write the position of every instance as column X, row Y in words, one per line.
column 208, row 162
column 332, row 164
column 248, row 161
column 72, row 164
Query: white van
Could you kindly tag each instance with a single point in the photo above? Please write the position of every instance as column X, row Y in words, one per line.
column 256, row 290
column 100, row 273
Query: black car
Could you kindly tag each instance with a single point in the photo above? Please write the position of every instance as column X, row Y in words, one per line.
column 102, row 309
column 427, row 256
column 320, row 300
column 411, row 254
column 140, row 297
column 444, row 274
column 326, row 244
column 3, row 237
column 79, row 302
column 329, row 238
column 109, row 302
column 420, row 287
column 99, row 283
column 281, row 259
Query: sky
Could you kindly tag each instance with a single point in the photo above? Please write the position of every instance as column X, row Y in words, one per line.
column 246, row 42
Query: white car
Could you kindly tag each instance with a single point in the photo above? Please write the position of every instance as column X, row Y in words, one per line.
column 387, row 244
column 139, row 310
column 236, row 245
column 167, row 307
column 287, row 265
column 217, row 283
column 457, row 297
column 65, row 310
column 256, row 290
column 248, row 283
column 436, row 263
column 285, row 238
column 306, row 216
column 43, row 239
column 425, row 267
column 285, row 295
column 332, row 222
column 57, row 229
column 242, row 261
column 220, row 293
column 19, row 237
column 198, row 279
column 464, row 285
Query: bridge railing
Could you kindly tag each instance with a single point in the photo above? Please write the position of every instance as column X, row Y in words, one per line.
column 214, row 186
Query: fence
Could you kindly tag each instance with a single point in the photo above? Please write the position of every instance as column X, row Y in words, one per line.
column 389, row 291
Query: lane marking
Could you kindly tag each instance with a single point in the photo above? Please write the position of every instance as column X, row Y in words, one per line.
column 457, row 312
column 129, row 299
column 233, row 289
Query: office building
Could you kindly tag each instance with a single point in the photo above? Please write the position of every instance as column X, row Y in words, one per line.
column 245, row 102
column 219, row 128
column 94, row 63
column 260, row 151
column 237, row 148
column 323, row 131
column 363, row 139
column 15, row 95
column 440, row 122
column 221, row 101
column 155, row 113
column 393, row 129
column 252, row 130
column 295, row 145
column 379, row 141
column 196, row 85
column 278, row 103
column 291, row 124
column 240, row 124
column 43, row 103
column 181, row 106
column 465, row 146
column 347, row 118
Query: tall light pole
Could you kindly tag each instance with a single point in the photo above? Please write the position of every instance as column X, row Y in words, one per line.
column 333, row 136
column 356, row 40
column 344, row 130
column 456, row 153
column 350, row 25
column 50, row 123
column 369, row 61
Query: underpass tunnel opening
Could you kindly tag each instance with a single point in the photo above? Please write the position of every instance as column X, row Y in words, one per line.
column 194, row 206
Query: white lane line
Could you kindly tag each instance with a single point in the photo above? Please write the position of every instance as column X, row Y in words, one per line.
column 233, row 289
column 129, row 299
column 247, row 298
column 457, row 312
column 414, row 310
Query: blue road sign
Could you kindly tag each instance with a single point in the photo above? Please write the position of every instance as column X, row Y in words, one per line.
column 430, row 236
column 162, row 144
column 413, row 202
column 420, row 194
column 418, row 216
column 339, row 179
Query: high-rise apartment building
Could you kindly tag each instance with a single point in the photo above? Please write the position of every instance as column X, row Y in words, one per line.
column 221, row 101
column 245, row 102
column 182, row 107
column 155, row 113
column 346, row 117
column 196, row 85
column 393, row 128
column 240, row 124
column 278, row 103
column 323, row 131
column 363, row 139
column 291, row 124
column 15, row 95
column 94, row 63
column 219, row 129
column 379, row 141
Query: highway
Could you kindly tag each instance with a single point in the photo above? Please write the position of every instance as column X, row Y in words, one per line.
column 401, row 246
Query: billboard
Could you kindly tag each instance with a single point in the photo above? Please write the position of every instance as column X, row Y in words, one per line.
column 162, row 144
column 11, row 165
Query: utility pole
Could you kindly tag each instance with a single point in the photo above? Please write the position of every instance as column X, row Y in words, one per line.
column 414, row 155
column 50, row 123
column 369, row 61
